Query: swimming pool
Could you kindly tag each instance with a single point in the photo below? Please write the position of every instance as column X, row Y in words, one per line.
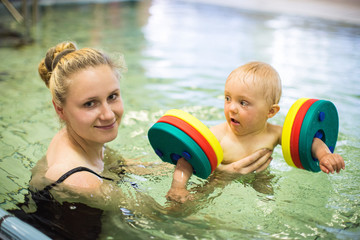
column 179, row 55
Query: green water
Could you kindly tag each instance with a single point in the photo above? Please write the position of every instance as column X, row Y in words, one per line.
column 179, row 55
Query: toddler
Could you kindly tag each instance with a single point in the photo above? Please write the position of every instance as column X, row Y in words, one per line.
column 252, row 95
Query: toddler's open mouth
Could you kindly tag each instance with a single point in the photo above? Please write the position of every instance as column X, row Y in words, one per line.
column 234, row 121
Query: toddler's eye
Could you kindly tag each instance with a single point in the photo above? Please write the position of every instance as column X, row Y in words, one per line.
column 227, row 98
column 244, row 103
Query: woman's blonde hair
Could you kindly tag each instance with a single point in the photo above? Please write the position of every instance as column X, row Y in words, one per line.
column 261, row 75
column 65, row 59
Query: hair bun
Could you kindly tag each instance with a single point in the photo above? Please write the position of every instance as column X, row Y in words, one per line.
column 51, row 59
column 51, row 64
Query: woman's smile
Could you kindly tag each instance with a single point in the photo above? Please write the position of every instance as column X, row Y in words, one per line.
column 106, row 127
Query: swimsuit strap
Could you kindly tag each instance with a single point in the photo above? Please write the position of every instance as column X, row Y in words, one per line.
column 69, row 173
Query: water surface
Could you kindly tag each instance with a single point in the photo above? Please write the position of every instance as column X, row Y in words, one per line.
column 179, row 55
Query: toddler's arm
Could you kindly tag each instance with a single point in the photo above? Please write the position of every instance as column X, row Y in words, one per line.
column 257, row 161
column 182, row 174
column 329, row 162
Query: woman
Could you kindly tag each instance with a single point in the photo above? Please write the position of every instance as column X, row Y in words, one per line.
column 85, row 89
column 86, row 96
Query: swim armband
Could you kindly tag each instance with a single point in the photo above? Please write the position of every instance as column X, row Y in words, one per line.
column 178, row 134
column 308, row 119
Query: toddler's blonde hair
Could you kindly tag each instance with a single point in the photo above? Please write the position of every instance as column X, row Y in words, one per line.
column 263, row 75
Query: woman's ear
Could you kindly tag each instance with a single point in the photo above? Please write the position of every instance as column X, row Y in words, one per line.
column 59, row 110
column 273, row 110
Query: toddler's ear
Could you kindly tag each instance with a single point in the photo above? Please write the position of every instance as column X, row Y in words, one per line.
column 273, row 110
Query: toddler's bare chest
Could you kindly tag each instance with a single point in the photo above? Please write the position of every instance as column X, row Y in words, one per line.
column 239, row 149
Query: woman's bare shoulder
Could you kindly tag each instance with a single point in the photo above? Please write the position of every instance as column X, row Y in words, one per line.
column 82, row 180
column 61, row 158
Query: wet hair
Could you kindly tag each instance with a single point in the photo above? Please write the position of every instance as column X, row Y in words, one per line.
column 66, row 59
column 263, row 75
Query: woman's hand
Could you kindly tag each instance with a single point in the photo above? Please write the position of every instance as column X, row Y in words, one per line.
column 256, row 162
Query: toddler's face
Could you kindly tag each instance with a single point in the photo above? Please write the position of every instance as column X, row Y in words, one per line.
column 245, row 107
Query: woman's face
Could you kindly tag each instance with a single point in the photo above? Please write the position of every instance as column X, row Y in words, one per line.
column 93, row 107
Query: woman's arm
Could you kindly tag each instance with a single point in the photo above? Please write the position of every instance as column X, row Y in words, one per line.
column 256, row 162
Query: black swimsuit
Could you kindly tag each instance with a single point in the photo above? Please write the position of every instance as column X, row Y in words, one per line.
column 66, row 220
column 69, row 173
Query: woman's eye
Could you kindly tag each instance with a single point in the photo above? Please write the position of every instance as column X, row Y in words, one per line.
column 113, row 96
column 89, row 104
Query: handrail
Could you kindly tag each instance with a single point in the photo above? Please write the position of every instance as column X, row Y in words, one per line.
column 13, row 228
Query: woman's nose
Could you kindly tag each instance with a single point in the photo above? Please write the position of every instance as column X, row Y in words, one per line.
column 106, row 112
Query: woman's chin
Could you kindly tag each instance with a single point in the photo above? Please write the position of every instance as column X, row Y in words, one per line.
column 108, row 137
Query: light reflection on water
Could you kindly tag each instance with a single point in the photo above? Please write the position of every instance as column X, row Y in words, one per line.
column 179, row 55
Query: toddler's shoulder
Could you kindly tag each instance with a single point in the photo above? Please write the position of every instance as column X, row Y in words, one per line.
column 219, row 131
column 276, row 131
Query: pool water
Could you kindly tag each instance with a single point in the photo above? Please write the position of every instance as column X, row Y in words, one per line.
column 179, row 55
